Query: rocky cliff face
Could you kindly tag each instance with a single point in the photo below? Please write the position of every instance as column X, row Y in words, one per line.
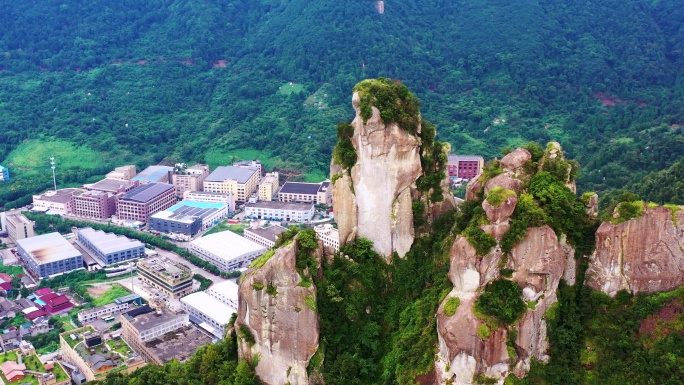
column 537, row 264
column 373, row 199
column 279, row 315
column 642, row 255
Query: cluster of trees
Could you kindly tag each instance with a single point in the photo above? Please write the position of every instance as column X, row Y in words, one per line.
column 602, row 78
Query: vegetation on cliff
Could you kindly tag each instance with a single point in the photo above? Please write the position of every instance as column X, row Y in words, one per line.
column 394, row 101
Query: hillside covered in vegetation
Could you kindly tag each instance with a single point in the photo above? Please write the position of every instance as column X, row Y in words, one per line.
column 207, row 80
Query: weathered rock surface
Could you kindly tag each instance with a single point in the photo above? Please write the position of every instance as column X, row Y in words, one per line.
column 515, row 160
column 284, row 328
column 505, row 180
column 539, row 263
column 501, row 213
column 642, row 255
column 375, row 201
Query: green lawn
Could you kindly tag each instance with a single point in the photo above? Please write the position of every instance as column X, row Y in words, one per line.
column 60, row 374
column 223, row 226
column 11, row 270
column 11, row 356
column 110, row 295
column 35, row 154
column 290, row 88
column 119, row 346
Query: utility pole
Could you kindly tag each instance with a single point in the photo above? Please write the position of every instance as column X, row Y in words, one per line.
column 52, row 166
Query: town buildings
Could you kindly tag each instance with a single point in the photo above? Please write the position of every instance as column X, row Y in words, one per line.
column 208, row 312
column 48, row 254
column 268, row 186
column 174, row 279
column 280, row 211
column 55, row 202
column 85, row 350
column 88, row 315
column 265, row 236
column 255, row 164
column 145, row 200
column 239, row 181
column 17, row 225
column 226, row 250
column 185, row 178
column 162, row 335
column 328, row 235
column 93, row 204
column 4, row 174
column 188, row 217
column 124, row 172
column 465, row 166
column 22, row 366
column 316, row 193
column 110, row 248
column 154, row 174
column 113, row 186
column 211, row 197
column 226, row 292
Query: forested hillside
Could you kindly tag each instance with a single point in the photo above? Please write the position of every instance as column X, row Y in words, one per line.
column 210, row 80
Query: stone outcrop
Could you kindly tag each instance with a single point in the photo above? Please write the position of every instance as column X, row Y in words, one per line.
column 374, row 198
column 642, row 255
column 538, row 262
column 515, row 160
column 284, row 328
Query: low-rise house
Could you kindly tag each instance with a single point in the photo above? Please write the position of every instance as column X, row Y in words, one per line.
column 280, row 211
column 265, row 236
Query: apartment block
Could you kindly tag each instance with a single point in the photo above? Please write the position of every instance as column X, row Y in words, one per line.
column 145, row 200
column 113, row 186
column 124, row 172
column 268, row 186
column 93, row 204
column 88, row 315
column 280, row 211
column 185, row 178
column 465, row 166
column 17, row 225
column 329, row 235
column 55, row 202
column 239, row 181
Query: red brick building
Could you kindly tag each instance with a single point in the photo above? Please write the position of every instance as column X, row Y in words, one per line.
column 94, row 204
column 465, row 166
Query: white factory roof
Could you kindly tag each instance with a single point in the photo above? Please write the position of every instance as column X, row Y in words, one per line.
column 108, row 242
column 49, row 247
column 227, row 289
column 227, row 245
column 210, row 306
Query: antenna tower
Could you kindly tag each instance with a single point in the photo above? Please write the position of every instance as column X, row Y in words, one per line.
column 52, row 166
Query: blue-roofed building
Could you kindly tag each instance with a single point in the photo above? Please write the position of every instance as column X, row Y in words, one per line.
column 154, row 174
column 188, row 217
column 145, row 200
column 4, row 174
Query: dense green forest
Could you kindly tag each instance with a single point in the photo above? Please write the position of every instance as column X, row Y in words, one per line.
column 208, row 80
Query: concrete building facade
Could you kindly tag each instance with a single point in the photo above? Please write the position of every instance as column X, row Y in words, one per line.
column 110, row 248
column 88, row 315
column 93, row 204
column 265, row 236
column 185, row 178
column 255, row 164
column 113, row 186
column 465, row 166
column 208, row 312
column 268, row 186
column 145, row 200
column 211, row 197
column 226, row 250
column 56, row 202
column 329, row 236
column 316, row 193
column 281, row 211
column 174, row 279
column 17, row 225
column 124, row 172
column 49, row 254
column 226, row 292
column 239, row 181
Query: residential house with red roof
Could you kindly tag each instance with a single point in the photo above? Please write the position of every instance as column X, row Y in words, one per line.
column 13, row 371
column 57, row 305
column 5, row 277
column 43, row 291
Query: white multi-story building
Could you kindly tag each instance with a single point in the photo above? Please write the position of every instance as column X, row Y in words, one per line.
column 208, row 312
column 56, row 202
column 101, row 311
column 265, row 236
column 226, row 250
column 329, row 235
column 280, row 211
column 226, row 292
column 211, row 197
column 17, row 225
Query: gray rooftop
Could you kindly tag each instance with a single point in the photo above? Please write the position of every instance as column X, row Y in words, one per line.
column 146, row 321
column 294, row 206
column 271, row 233
column 154, row 174
column 108, row 242
column 59, row 196
column 239, row 174
column 147, row 192
column 110, row 185
column 179, row 344
column 47, row 248
column 300, row 188
column 465, row 158
column 17, row 218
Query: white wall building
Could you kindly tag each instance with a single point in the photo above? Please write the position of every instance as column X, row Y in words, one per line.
column 56, row 202
column 226, row 250
column 265, row 236
column 101, row 311
column 211, row 197
column 208, row 312
column 282, row 211
column 329, row 235
column 226, row 292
